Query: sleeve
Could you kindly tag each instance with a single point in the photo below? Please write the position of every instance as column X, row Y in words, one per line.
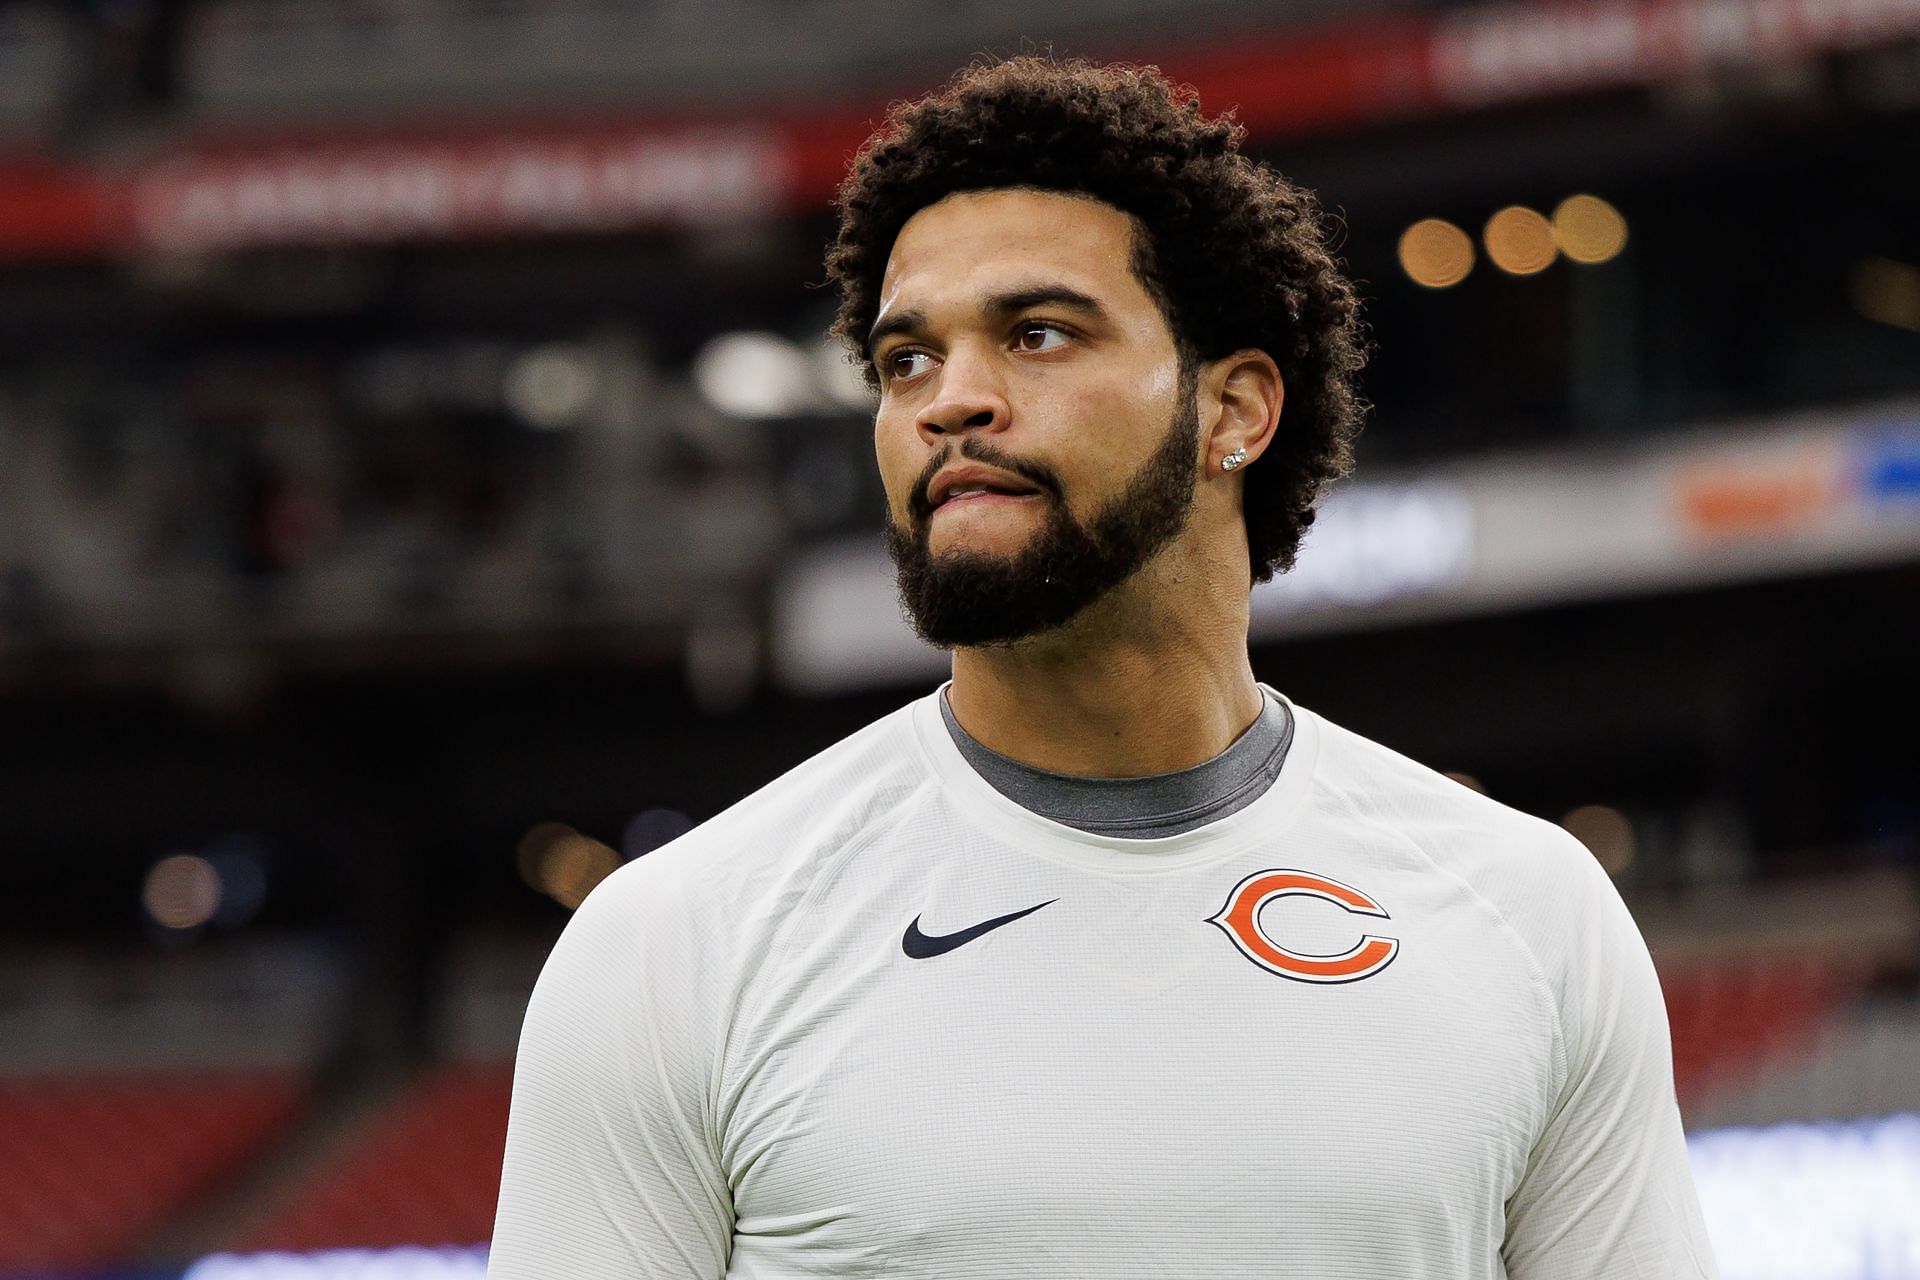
column 611, row 1169
column 1607, row 1193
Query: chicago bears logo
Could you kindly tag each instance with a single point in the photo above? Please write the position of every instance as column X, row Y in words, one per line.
column 1240, row 921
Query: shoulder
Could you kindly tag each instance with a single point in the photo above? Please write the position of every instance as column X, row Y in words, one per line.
column 760, row 854
column 1378, row 784
column 1544, row 888
column 1535, row 874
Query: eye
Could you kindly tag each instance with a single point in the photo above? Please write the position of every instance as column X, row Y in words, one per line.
column 1039, row 337
column 901, row 365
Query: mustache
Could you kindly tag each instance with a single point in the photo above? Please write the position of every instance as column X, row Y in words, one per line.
column 974, row 449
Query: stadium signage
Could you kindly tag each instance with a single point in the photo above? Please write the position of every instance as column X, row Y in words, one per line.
column 1377, row 542
column 1890, row 464
column 1731, row 497
column 584, row 176
column 617, row 179
column 1495, row 53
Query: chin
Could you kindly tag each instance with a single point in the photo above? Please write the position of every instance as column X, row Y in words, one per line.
column 990, row 538
column 974, row 545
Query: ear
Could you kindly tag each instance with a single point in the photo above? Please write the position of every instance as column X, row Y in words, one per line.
column 1249, row 392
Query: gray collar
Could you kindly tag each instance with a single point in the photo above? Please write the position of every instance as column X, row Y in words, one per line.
column 1164, row 804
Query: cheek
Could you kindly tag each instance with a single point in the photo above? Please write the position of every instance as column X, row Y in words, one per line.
column 900, row 456
column 1161, row 386
column 1116, row 427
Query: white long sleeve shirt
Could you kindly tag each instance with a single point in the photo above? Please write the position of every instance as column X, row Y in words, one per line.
column 1372, row 1026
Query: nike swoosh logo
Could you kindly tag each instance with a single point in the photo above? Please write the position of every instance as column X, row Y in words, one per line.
column 921, row 947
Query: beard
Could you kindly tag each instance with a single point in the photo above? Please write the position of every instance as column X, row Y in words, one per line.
column 967, row 599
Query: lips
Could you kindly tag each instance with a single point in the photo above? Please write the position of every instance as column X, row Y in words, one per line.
column 971, row 484
column 973, row 497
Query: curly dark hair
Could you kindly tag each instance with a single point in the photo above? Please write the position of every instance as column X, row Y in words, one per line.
column 1234, row 254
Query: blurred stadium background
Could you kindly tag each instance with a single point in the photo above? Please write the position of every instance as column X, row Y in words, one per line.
column 423, row 486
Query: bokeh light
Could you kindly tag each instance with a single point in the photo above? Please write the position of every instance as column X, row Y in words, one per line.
column 757, row 375
column 564, row 864
column 1519, row 241
column 181, row 891
column 1588, row 229
column 551, row 386
column 1436, row 254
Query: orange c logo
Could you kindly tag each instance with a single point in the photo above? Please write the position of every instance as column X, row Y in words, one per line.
column 1239, row 920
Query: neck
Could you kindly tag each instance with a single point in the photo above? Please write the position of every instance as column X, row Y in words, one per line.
column 1148, row 681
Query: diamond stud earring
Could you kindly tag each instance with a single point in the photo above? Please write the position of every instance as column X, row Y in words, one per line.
column 1233, row 460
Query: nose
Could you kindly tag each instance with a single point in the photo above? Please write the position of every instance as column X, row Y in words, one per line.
column 970, row 397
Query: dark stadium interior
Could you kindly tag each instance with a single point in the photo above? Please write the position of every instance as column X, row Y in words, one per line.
column 1786, row 702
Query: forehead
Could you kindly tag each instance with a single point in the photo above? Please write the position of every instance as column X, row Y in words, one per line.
column 973, row 243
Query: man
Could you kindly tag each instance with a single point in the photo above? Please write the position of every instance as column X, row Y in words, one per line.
column 1103, row 960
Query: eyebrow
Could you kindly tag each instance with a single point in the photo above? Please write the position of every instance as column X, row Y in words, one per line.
column 1000, row 303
